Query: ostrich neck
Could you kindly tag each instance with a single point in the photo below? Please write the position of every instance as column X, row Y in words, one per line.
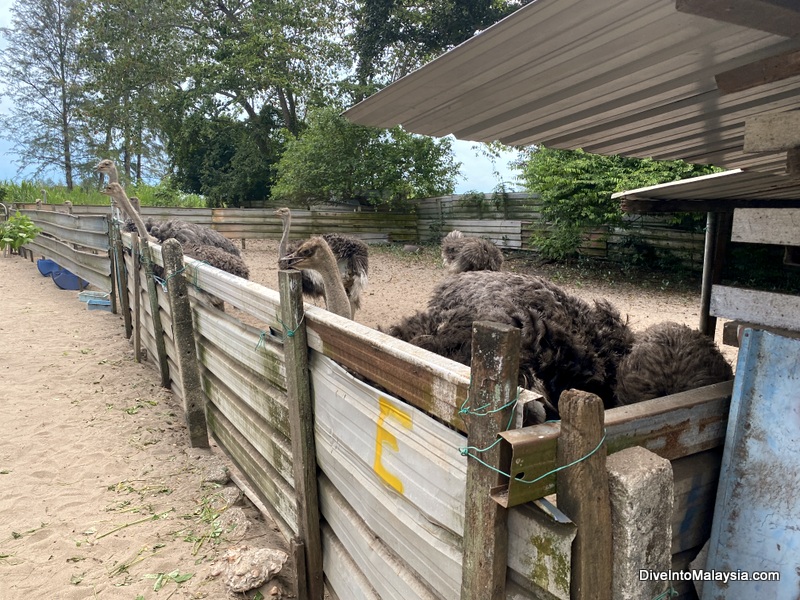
column 285, row 237
column 122, row 198
column 335, row 295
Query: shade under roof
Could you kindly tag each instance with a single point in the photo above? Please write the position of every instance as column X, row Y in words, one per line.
column 630, row 77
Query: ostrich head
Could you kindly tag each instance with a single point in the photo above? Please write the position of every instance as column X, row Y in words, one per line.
column 108, row 167
column 312, row 254
column 283, row 213
column 315, row 254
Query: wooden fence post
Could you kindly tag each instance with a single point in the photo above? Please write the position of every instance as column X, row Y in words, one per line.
column 115, row 266
column 583, row 493
column 493, row 387
column 158, row 329
column 194, row 400
column 121, row 279
column 301, row 423
column 137, row 299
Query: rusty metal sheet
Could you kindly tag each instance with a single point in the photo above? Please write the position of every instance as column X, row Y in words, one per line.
column 758, row 501
column 672, row 427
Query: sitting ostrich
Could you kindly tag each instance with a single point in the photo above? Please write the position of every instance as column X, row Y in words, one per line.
column 315, row 254
column 668, row 358
column 565, row 342
column 193, row 246
column 461, row 254
column 352, row 259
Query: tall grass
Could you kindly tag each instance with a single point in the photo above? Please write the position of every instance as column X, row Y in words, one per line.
column 149, row 195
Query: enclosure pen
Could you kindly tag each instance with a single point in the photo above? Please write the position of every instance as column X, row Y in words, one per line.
column 389, row 426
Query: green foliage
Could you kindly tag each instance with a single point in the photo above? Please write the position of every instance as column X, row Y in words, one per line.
column 17, row 231
column 390, row 39
column 334, row 161
column 163, row 194
column 575, row 188
column 222, row 159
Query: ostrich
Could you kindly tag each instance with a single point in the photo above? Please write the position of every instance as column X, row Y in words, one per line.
column 565, row 341
column 194, row 246
column 668, row 358
column 315, row 254
column 352, row 258
column 461, row 254
column 186, row 233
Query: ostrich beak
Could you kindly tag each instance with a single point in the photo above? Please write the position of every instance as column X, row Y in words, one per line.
column 288, row 261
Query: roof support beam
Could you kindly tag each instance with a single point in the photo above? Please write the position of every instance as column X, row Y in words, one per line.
column 760, row 72
column 633, row 204
column 772, row 132
column 773, row 16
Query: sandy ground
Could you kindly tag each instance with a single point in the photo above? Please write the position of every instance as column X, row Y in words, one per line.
column 101, row 493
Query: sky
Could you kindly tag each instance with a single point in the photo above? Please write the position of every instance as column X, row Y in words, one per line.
column 478, row 172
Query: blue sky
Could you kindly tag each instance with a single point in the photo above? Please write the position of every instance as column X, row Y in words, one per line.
column 478, row 173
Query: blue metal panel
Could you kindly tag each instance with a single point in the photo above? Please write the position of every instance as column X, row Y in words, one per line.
column 757, row 515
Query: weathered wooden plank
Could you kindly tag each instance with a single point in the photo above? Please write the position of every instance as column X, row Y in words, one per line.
column 583, row 493
column 764, row 308
column 301, row 424
column 268, row 484
column 66, row 221
column 136, row 290
column 155, row 313
column 672, row 427
column 400, row 470
column 391, row 578
column 760, row 72
column 765, row 226
column 185, row 353
column 493, row 386
column 423, row 379
column 89, row 239
column 772, row 131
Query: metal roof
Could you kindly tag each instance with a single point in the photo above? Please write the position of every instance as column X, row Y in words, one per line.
column 630, row 77
column 735, row 188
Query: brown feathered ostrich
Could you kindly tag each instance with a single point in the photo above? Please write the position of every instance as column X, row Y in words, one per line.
column 315, row 254
column 668, row 358
column 565, row 342
column 193, row 244
column 461, row 253
column 351, row 256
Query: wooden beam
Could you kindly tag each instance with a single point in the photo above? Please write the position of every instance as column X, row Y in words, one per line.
column 763, row 308
column 155, row 311
column 672, row 427
column 771, row 16
column 637, row 204
column 583, row 493
column 764, row 226
column 493, row 387
column 194, row 399
column 793, row 162
column 772, row 132
column 760, row 72
column 301, row 423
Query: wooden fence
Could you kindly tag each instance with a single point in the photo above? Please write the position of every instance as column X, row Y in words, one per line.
column 392, row 481
column 510, row 221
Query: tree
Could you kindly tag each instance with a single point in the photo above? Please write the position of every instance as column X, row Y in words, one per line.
column 41, row 75
column 393, row 37
column 575, row 189
column 334, row 161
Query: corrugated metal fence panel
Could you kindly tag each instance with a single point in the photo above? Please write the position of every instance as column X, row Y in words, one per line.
column 393, row 495
column 63, row 233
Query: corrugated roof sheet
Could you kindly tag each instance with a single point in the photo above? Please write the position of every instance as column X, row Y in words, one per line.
column 631, row 77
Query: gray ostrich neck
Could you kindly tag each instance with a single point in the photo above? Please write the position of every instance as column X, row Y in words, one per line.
column 287, row 221
column 122, row 198
column 335, row 295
